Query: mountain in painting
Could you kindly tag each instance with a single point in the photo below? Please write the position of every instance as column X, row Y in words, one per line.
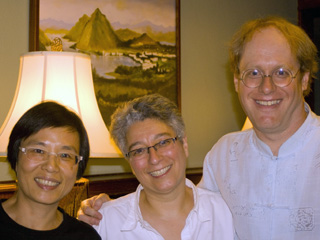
column 126, row 34
column 50, row 23
column 76, row 31
column 98, row 34
column 95, row 34
column 43, row 41
column 156, row 32
column 143, row 40
column 143, row 27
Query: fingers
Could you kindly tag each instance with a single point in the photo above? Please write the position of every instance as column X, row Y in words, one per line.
column 88, row 219
column 89, row 209
column 89, row 214
column 99, row 200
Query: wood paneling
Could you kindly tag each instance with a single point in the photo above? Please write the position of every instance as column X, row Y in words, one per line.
column 116, row 185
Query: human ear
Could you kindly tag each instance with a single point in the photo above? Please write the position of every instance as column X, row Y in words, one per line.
column 236, row 82
column 305, row 81
column 185, row 145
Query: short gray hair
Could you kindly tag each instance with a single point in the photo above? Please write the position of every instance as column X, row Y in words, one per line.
column 152, row 106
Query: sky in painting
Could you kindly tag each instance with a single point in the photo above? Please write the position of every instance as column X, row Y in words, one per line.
column 159, row 12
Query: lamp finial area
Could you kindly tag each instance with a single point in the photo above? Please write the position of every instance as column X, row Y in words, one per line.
column 56, row 45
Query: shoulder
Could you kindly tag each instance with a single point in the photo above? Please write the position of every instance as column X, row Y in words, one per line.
column 314, row 120
column 117, row 214
column 119, row 206
column 213, row 202
column 78, row 228
column 206, row 196
column 235, row 136
column 239, row 140
column 9, row 228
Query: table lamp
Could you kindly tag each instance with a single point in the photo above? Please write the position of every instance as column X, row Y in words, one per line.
column 64, row 77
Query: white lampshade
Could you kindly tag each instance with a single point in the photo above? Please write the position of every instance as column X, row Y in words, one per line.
column 64, row 77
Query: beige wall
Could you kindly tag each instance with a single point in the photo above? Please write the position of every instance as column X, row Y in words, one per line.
column 209, row 105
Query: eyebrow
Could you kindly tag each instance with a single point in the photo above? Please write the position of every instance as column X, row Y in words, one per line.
column 286, row 66
column 69, row 148
column 37, row 143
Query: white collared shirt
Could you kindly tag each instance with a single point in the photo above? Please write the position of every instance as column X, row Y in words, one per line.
column 270, row 197
column 209, row 219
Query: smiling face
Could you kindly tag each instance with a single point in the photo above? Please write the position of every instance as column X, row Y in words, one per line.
column 49, row 181
column 272, row 109
column 157, row 173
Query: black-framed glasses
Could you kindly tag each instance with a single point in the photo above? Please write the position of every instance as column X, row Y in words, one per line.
column 161, row 147
column 280, row 77
column 41, row 155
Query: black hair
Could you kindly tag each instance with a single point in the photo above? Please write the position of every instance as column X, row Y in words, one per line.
column 47, row 115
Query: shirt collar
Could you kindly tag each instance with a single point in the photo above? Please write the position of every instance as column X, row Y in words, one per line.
column 201, row 212
column 293, row 143
column 134, row 216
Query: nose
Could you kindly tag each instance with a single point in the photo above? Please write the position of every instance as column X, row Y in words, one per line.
column 154, row 156
column 267, row 86
column 52, row 163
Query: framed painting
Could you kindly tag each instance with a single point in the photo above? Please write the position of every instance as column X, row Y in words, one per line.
column 134, row 44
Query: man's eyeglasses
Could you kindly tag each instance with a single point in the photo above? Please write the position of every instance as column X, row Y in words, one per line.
column 161, row 147
column 40, row 155
column 280, row 77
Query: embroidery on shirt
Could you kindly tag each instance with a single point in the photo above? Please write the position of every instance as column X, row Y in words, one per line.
column 232, row 151
column 302, row 219
column 249, row 211
column 317, row 158
column 229, row 187
column 241, row 211
column 286, row 178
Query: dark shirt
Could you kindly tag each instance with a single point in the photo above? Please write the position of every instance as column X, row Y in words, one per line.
column 69, row 229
